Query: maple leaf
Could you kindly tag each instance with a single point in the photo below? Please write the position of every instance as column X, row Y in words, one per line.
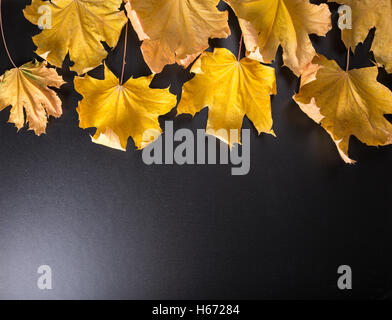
column 176, row 30
column 268, row 24
column 367, row 14
column 120, row 111
column 231, row 89
column 78, row 27
column 26, row 90
column 346, row 103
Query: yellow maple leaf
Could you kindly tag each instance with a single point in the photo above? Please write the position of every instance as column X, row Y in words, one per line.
column 26, row 90
column 367, row 14
column 176, row 30
column 120, row 111
column 268, row 24
column 231, row 89
column 77, row 27
column 346, row 103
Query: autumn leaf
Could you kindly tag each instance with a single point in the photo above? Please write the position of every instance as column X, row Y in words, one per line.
column 120, row 111
column 367, row 14
column 346, row 103
column 78, row 27
column 268, row 24
column 26, row 90
column 176, row 30
column 231, row 89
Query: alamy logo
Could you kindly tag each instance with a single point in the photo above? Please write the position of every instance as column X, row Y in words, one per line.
column 45, row 280
column 45, row 20
column 345, row 281
column 345, row 17
column 184, row 153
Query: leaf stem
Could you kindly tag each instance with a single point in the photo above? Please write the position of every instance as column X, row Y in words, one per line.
column 240, row 49
column 348, row 59
column 2, row 35
column 125, row 53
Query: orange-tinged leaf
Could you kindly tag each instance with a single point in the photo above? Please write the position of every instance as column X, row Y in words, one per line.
column 367, row 14
column 346, row 103
column 231, row 89
column 176, row 30
column 77, row 28
column 26, row 90
column 267, row 24
column 120, row 111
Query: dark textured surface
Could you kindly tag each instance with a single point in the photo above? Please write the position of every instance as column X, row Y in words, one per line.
column 112, row 227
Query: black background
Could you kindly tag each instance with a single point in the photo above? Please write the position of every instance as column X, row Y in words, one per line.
column 112, row 227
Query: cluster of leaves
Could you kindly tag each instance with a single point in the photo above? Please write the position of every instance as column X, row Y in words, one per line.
column 343, row 102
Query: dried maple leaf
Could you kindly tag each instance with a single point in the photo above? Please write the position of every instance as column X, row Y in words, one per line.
column 26, row 90
column 346, row 103
column 367, row 14
column 78, row 27
column 176, row 30
column 268, row 24
column 120, row 111
column 231, row 89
